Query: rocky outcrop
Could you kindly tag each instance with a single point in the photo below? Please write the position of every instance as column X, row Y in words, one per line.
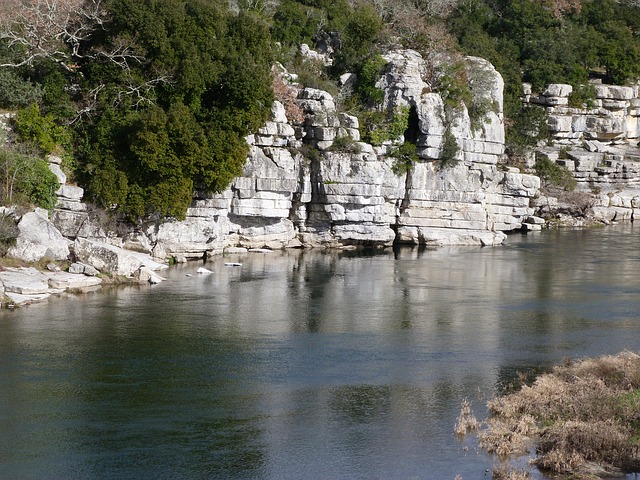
column 22, row 286
column 317, row 184
column 39, row 238
column 614, row 115
column 114, row 260
column 599, row 146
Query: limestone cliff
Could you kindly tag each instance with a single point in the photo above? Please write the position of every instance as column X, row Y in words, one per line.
column 598, row 144
column 298, row 190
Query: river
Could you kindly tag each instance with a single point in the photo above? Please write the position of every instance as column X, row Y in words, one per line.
column 305, row 364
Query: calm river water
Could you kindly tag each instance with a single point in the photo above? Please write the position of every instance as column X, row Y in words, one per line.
column 305, row 364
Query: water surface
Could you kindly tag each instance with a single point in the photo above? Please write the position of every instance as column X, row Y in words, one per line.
column 305, row 364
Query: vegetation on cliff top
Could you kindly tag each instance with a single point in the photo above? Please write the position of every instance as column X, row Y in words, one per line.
column 153, row 98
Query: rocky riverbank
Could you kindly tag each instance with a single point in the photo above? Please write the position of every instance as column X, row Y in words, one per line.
column 310, row 180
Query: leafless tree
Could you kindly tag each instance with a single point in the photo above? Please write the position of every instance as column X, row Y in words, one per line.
column 56, row 30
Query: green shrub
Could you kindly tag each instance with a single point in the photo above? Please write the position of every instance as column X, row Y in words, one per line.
column 379, row 126
column 528, row 127
column 405, row 157
column 313, row 74
column 554, row 174
column 345, row 144
column 8, row 233
column 38, row 130
column 449, row 151
column 583, row 96
column 368, row 75
column 453, row 85
column 359, row 38
column 26, row 180
column 16, row 92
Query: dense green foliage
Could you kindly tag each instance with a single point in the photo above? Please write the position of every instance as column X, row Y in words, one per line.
column 148, row 157
column 405, row 156
column 530, row 41
column 26, row 180
column 556, row 175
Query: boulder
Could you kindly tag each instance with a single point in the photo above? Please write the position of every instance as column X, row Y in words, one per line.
column 83, row 269
column 146, row 275
column 38, row 238
column 112, row 259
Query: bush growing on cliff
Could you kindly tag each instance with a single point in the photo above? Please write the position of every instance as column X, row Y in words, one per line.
column 405, row 157
column 8, row 233
column 449, row 150
column 26, row 180
column 554, row 174
column 40, row 131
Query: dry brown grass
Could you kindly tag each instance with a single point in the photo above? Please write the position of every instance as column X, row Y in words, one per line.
column 583, row 418
column 467, row 422
column 287, row 94
column 505, row 472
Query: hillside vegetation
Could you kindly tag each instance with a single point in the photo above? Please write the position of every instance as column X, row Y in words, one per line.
column 147, row 100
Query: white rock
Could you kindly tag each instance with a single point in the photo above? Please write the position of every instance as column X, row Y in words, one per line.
column 203, row 271
column 146, row 275
column 57, row 171
column 38, row 238
column 71, row 192
column 24, row 281
column 278, row 113
column 108, row 258
column 558, row 90
column 65, row 280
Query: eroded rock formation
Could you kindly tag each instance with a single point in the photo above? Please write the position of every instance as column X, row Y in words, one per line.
column 599, row 146
column 298, row 188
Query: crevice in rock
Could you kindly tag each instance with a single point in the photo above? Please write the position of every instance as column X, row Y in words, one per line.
column 413, row 126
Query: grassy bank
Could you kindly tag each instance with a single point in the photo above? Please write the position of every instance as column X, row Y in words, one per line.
column 582, row 420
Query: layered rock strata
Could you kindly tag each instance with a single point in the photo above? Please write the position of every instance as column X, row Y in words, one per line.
column 317, row 184
column 599, row 146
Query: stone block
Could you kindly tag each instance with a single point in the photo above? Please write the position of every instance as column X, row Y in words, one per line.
column 70, row 192
column 278, row 112
column 615, row 104
column 349, row 121
column 268, row 129
column 324, row 133
column 263, row 141
column 558, row 90
column 72, row 205
column 285, row 130
column 568, row 164
column 618, row 92
column 560, row 123
column 57, row 171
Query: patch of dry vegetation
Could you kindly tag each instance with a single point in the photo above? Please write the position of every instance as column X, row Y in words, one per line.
column 583, row 419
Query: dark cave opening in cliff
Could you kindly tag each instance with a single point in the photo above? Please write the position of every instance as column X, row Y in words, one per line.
column 413, row 126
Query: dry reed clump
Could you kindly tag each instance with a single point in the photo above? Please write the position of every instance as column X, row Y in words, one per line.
column 583, row 418
column 467, row 422
column 505, row 472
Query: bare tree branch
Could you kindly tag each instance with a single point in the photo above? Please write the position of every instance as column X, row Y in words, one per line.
column 56, row 30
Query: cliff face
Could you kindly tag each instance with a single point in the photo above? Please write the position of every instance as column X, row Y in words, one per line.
column 329, row 197
column 599, row 146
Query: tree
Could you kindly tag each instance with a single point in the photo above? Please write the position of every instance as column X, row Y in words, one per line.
column 190, row 134
column 57, row 30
